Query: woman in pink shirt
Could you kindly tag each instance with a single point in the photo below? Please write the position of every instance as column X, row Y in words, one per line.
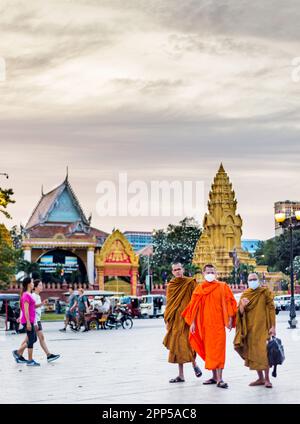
column 27, row 304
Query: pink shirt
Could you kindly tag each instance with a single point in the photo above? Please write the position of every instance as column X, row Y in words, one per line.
column 26, row 297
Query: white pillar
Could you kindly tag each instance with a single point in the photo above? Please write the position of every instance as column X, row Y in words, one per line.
column 91, row 265
column 27, row 254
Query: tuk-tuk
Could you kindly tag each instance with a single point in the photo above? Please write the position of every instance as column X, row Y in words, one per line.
column 133, row 305
column 94, row 318
column 153, row 305
column 9, row 311
column 50, row 304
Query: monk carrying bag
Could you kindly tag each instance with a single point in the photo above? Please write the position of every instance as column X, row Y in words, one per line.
column 275, row 354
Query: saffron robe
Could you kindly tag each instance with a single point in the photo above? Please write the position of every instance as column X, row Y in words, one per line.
column 252, row 329
column 179, row 293
column 211, row 307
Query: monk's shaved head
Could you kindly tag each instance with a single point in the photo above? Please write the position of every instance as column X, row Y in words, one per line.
column 177, row 270
column 253, row 276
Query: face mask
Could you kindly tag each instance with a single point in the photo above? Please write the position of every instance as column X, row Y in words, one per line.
column 210, row 278
column 254, row 284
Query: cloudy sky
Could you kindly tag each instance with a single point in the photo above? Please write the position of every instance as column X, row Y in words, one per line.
column 160, row 89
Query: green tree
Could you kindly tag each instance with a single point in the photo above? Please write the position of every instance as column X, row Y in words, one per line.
column 8, row 262
column 241, row 274
column 176, row 243
column 5, row 200
column 17, row 234
column 275, row 252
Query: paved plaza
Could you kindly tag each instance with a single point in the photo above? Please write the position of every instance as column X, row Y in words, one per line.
column 119, row 366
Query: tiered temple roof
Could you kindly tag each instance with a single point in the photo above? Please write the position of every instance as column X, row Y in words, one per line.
column 222, row 228
column 59, row 212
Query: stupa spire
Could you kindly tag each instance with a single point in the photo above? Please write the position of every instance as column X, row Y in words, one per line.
column 222, row 228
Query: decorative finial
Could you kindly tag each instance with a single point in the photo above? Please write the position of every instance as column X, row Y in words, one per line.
column 221, row 169
column 42, row 190
column 67, row 173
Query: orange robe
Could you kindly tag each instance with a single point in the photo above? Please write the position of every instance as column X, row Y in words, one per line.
column 211, row 306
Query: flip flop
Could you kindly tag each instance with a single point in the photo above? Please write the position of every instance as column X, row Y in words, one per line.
column 222, row 385
column 210, row 381
column 198, row 372
column 257, row 383
column 268, row 386
column 177, row 380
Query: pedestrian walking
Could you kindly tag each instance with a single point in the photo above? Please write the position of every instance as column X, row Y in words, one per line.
column 28, row 318
column 38, row 288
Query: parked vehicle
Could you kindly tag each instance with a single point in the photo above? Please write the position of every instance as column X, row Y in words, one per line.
column 133, row 305
column 50, row 304
column 96, row 320
column 153, row 305
column 9, row 311
column 277, row 304
column 297, row 303
column 283, row 300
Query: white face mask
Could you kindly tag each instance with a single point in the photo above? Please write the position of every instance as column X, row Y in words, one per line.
column 210, row 277
column 254, row 284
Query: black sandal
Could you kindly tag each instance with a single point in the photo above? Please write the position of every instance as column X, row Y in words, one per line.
column 210, row 381
column 177, row 380
column 222, row 385
column 198, row 372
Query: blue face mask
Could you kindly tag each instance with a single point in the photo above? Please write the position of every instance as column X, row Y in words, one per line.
column 254, row 284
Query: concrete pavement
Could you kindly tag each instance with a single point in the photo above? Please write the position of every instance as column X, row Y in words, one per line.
column 130, row 366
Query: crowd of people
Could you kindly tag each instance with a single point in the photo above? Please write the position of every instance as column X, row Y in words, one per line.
column 196, row 317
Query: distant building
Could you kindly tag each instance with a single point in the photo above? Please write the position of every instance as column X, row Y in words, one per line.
column 287, row 207
column 139, row 239
column 250, row 245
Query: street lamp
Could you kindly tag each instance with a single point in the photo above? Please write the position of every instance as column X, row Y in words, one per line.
column 291, row 222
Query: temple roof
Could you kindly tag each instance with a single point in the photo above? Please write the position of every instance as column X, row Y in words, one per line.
column 67, row 230
column 58, row 205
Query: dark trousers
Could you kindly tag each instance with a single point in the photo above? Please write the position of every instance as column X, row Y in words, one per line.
column 32, row 338
column 82, row 319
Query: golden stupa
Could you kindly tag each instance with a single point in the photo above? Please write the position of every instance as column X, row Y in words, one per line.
column 222, row 229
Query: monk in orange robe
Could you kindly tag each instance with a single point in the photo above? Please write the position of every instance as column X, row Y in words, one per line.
column 179, row 293
column 212, row 308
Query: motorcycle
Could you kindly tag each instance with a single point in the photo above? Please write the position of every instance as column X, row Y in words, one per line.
column 120, row 318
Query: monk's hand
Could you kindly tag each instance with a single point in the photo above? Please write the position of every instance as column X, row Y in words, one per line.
column 192, row 328
column 244, row 301
column 272, row 331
